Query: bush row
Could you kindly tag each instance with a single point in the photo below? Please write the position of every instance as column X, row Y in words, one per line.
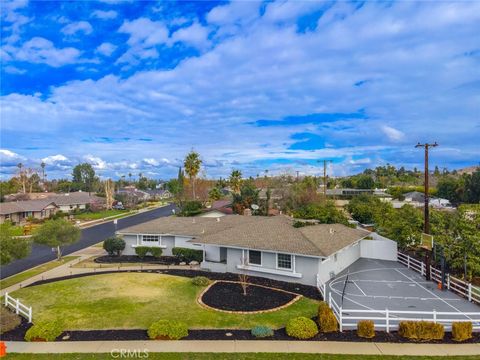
column 142, row 251
column 188, row 255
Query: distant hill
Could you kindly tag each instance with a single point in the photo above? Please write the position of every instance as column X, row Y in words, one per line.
column 468, row 170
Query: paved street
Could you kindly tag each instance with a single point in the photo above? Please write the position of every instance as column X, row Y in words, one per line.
column 92, row 235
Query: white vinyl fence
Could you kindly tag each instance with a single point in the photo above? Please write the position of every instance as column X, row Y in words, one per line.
column 388, row 320
column 459, row 287
column 19, row 308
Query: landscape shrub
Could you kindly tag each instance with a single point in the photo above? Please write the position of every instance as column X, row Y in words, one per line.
column 8, row 320
column 301, row 328
column 190, row 208
column 169, row 329
column 48, row 331
column 187, row 255
column 114, row 245
column 366, row 329
column 462, row 331
column 156, row 252
column 142, row 251
column 327, row 322
column 262, row 332
column 421, row 330
column 200, row 281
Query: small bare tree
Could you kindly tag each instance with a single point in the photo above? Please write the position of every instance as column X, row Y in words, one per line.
column 243, row 277
column 109, row 191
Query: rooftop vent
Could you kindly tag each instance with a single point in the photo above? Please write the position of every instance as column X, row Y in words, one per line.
column 331, row 231
column 218, row 219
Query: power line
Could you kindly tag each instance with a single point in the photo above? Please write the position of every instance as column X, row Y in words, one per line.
column 426, row 224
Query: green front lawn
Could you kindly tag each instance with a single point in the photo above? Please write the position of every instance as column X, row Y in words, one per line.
column 15, row 279
column 135, row 300
column 233, row 356
column 100, row 214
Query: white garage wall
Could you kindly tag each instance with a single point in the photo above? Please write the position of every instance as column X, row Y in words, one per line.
column 379, row 249
column 344, row 259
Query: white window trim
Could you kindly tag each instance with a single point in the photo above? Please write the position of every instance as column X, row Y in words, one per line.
column 252, row 264
column 140, row 242
column 292, row 262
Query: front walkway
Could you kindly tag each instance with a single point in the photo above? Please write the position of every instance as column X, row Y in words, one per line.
column 253, row 346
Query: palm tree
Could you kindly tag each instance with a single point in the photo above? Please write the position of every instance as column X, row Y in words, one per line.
column 192, row 165
column 130, row 178
column 235, row 180
column 42, row 165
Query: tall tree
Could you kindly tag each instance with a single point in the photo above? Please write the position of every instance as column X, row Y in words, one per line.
column 235, row 181
column 192, row 164
column 84, row 175
column 57, row 233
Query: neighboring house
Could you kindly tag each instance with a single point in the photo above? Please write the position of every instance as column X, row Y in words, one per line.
column 19, row 211
column 159, row 194
column 219, row 208
column 417, row 199
column 80, row 200
column 262, row 246
column 354, row 192
column 132, row 192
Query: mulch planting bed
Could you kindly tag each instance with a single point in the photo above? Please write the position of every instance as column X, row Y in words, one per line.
column 17, row 334
column 229, row 296
column 162, row 260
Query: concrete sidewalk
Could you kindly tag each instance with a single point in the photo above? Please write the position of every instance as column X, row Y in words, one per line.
column 236, row 346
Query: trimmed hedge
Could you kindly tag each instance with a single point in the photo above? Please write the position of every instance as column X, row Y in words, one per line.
column 187, row 255
column 301, row 328
column 262, row 332
column 200, row 281
column 421, row 330
column 142, row 251
column 156, row 252
column 114, row 245
column 48, row 331
column 168, row 329
column 366, row 329
column 327, row 322
column 462, row 331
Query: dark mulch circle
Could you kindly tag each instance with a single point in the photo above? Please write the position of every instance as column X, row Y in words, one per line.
column 229, row 296
column 17, row 334
column 162, row 260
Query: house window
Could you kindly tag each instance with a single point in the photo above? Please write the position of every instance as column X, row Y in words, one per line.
column 150, row 239
column 284, row 261
column 254, row 257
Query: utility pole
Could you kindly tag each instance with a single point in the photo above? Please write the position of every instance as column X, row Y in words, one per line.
column 297, row 174
column 325, row 176
column 426, row 224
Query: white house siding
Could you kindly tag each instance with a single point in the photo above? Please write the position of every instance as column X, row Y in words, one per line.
column 379, row 249
column 344, row 258
column 306, row 266
column 169, row 242
column 130, row 240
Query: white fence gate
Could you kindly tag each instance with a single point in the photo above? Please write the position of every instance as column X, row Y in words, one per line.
column 19, row 308
column 459, row 287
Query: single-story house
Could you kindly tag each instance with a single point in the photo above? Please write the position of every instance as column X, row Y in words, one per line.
column 262, row 246
column 159, row 194
column 219, row 208
column 417, row 198
column 132, row 192
column 19, row 211
column 69, row 202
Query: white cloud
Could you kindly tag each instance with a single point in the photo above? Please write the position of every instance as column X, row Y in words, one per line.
column 96, row 162
column 43, row 51
column 392, row 133
column 195, row 35
column 106, row 49
column 14, row 70
column 104, row 15
column 151, row 161
column 76, row 27
column 54, row 158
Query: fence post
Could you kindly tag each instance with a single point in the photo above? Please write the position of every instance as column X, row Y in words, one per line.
column 387, row 321
column 17, row 306
column 422, row 269
column 408, row 261
column 340, row 318
column 330, row 299
column 448, row 281
column 30, row 314
column 434, row 316
column 469, row 291
column 6, row 299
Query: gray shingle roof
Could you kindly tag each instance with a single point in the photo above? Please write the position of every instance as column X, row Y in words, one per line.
column 73, row 198
column 256, row 232
column 24, row 206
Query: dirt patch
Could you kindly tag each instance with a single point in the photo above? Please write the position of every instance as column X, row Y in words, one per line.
column 228, row 296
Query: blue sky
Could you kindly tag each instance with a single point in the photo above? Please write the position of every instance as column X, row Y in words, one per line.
column 133, row 86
